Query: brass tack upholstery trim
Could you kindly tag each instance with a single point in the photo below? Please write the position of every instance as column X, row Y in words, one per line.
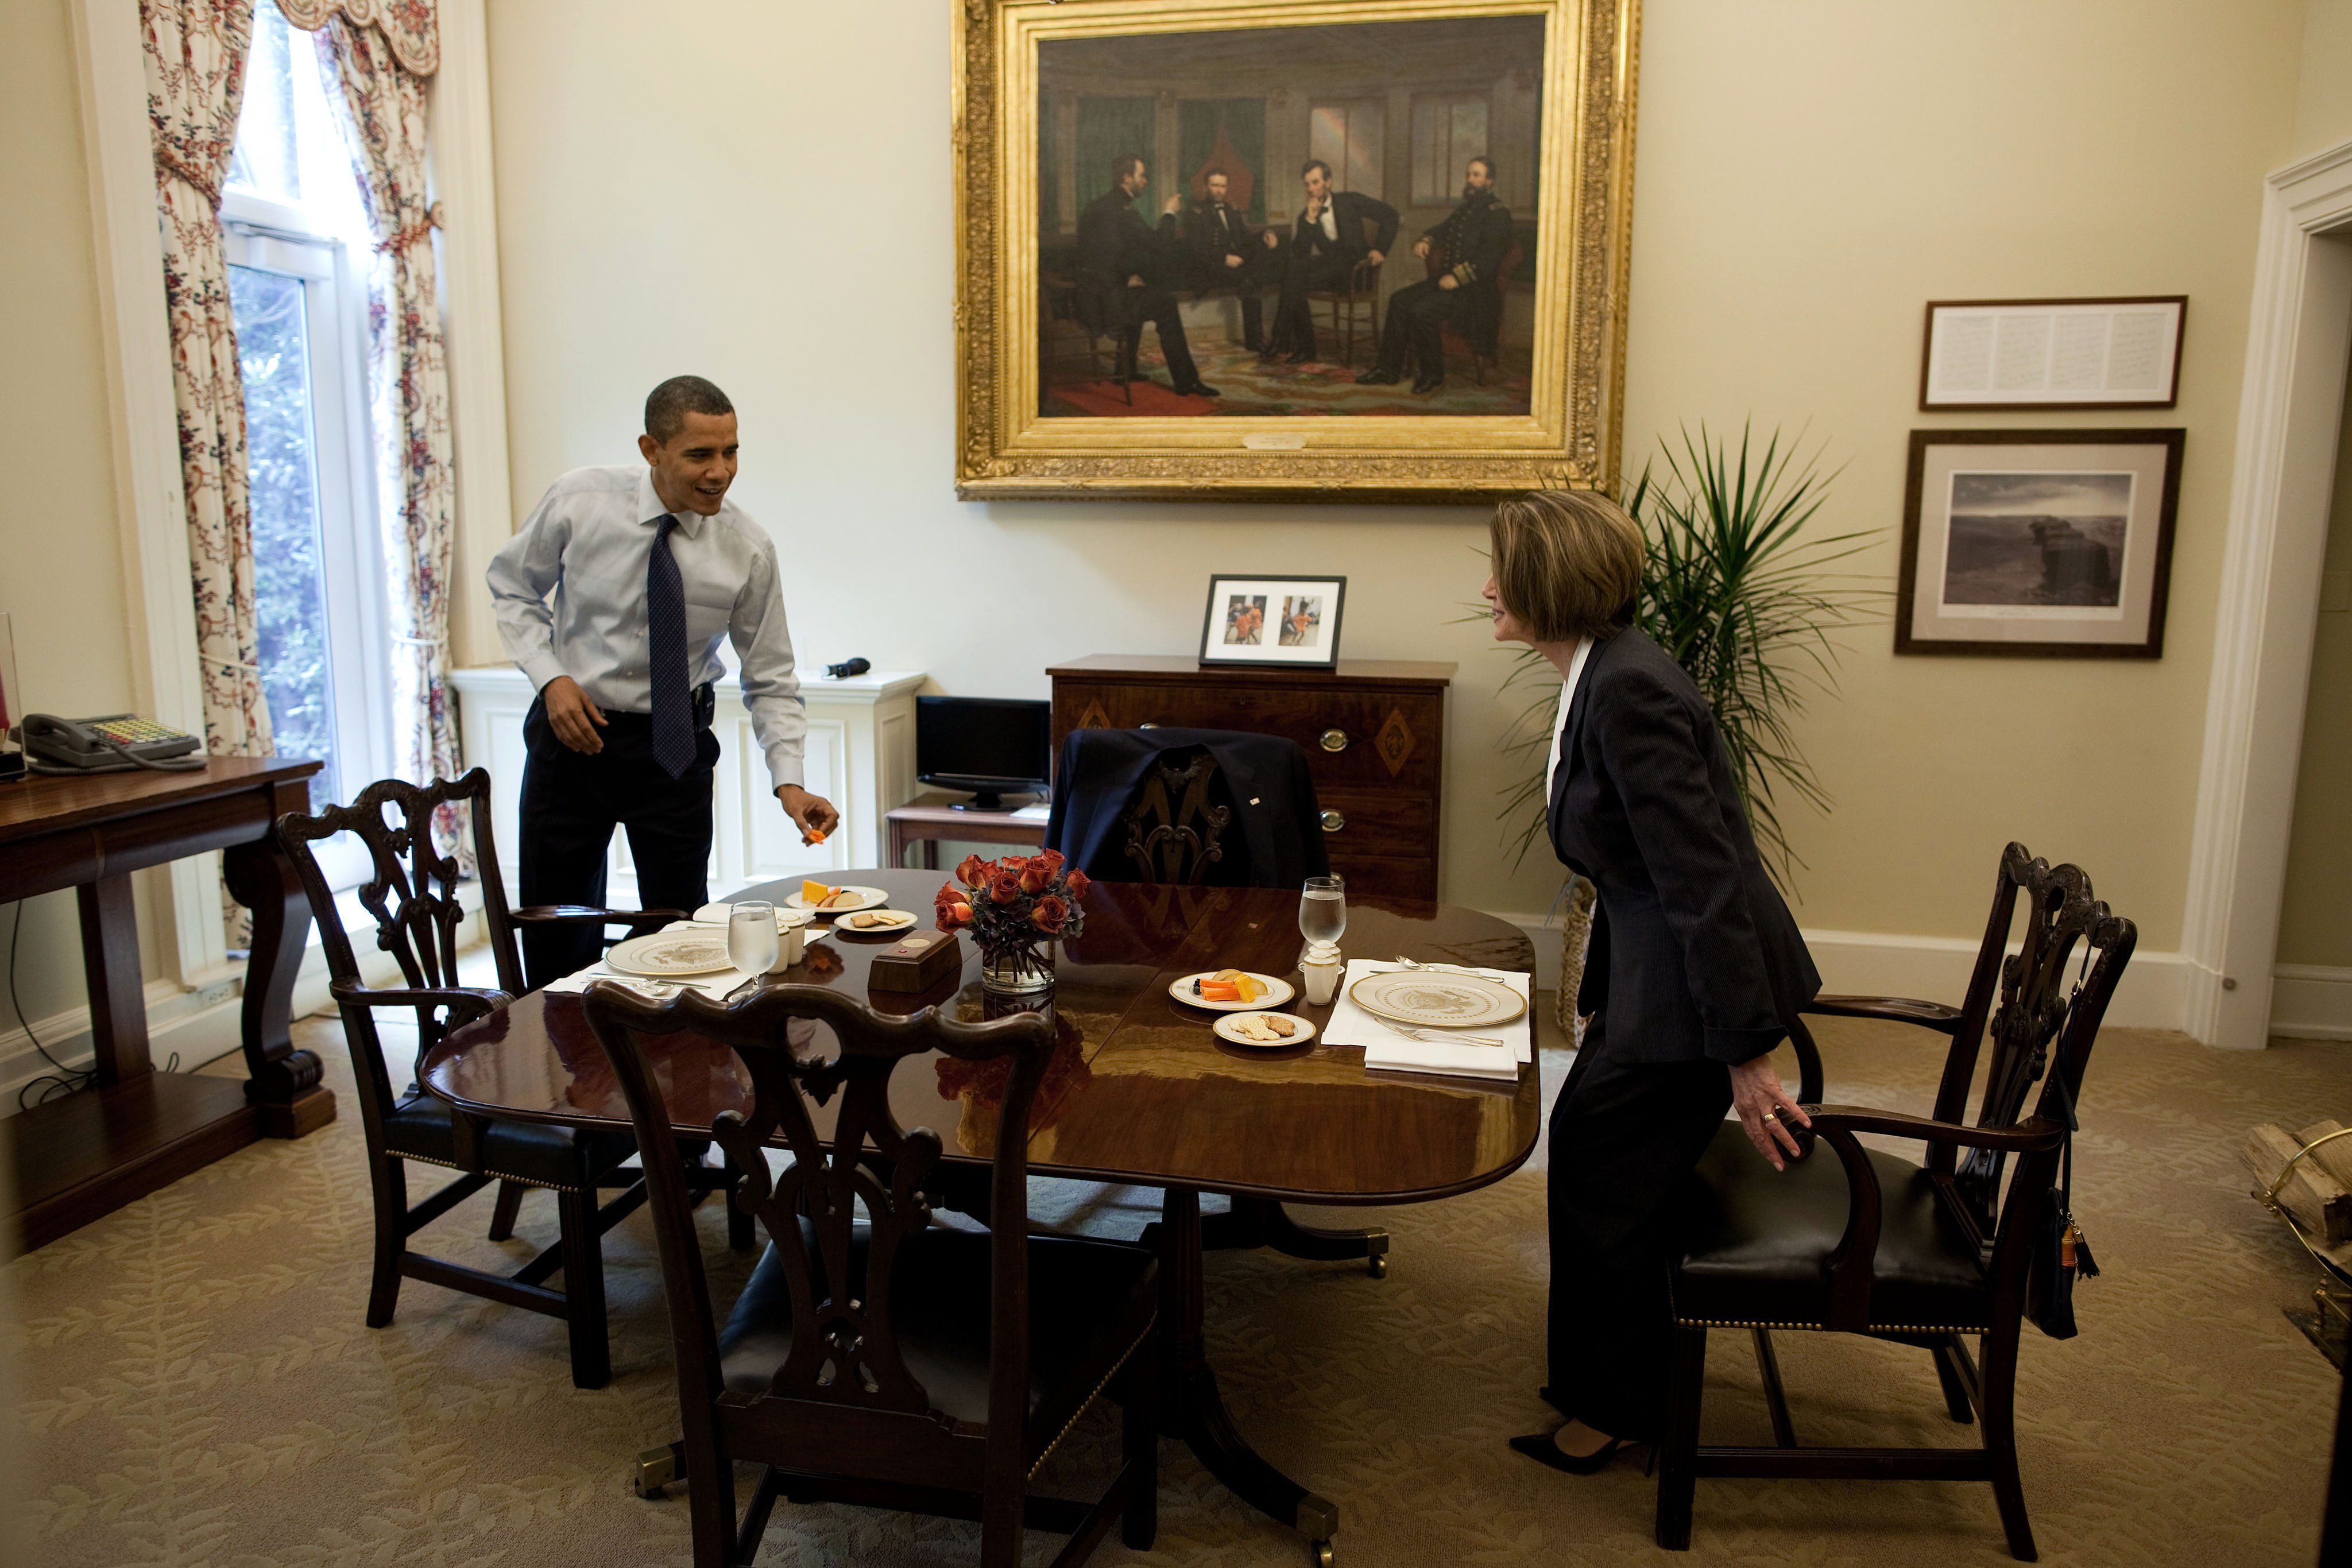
column 1046, row 1452
column 1824, row 1328
column 446, row 1166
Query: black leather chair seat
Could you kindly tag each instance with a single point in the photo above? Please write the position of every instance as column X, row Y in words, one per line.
column 1089, row 1302
column 419, row 1128
column 1757, row 1241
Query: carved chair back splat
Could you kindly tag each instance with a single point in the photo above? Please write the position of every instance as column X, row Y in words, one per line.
column 843, row 1414
column 1172, row 829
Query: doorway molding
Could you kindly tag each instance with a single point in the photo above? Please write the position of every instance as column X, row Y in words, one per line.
column 2299, row 339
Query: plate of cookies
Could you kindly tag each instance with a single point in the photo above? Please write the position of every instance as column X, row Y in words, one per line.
column 1265, row 1030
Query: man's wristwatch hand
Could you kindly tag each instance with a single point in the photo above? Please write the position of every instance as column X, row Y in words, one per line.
column 812, row 814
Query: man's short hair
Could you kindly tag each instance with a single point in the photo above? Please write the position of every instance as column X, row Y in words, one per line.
column 1216, row 174
column 1121, row 164
column 1482, row 157
column 668, row 405
column 1567, row 563
column 1311, row 166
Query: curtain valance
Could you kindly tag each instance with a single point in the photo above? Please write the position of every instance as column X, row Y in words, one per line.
column 409, row 26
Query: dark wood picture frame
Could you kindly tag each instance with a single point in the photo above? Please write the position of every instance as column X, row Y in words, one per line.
column 1333, row 622
column 1928, row 346
column 2150, row 646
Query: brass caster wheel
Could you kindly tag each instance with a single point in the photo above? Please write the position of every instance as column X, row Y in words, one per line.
column 1378, row 1267
column 656, row 1469
column 1319, row 1553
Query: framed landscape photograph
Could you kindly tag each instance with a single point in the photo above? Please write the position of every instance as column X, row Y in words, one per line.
column 1327, row 249
column 1293, row 621
column 2053, row 353
column 2054, row 543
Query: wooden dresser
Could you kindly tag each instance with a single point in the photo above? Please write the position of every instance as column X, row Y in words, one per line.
column 1374, row 733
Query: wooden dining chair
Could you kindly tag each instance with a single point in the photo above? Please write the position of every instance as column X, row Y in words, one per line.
column 1918, row 1253
column 412, row 892
column 875, row 1358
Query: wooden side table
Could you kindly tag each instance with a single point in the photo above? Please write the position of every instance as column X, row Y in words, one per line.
column 134, row 1130
column 928, row 819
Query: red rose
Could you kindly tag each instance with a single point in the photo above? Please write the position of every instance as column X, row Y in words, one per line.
column 1052, row 912
column 973, row 872
column 1053, row 859
column 1006, row 887
column 1079, row 883
column 952, row 915
column 1035, row 874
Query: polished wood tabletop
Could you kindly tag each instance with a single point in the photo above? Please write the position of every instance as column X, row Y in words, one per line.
column 1141, row 1089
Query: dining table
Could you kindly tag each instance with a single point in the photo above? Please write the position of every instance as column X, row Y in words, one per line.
column 1140, row 1092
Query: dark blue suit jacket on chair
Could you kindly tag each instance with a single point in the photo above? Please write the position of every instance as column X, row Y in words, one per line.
column 1695, row 955
column 1275, row 838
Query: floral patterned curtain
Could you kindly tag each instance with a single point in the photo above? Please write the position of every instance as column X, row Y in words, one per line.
column 409, row 379
column 408, row 25
column 195, row 53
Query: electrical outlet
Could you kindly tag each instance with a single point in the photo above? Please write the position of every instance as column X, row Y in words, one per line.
column 215, row 994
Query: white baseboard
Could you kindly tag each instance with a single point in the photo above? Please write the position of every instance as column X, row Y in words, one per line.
column 2311, row 1001
column 2153, row 994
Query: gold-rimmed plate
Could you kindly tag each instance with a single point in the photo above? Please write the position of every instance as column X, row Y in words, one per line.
column 1433, row 1000
column 666, row 955
column 1275, row 994
column 1236, row 1029
column 867, row 898
column 873, row 922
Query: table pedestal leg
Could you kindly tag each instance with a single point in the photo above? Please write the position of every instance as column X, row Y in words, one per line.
column 282, row 1083
column 1191, row 1406
column 109, row 962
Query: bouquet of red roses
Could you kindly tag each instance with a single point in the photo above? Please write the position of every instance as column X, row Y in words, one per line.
column 1011, row 905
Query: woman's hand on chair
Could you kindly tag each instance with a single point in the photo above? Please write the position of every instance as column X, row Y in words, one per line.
column 1765, row 1109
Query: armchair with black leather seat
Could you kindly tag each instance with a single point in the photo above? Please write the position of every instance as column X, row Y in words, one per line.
column 874, row 1358
column 1919, row 1252
column 412, row 894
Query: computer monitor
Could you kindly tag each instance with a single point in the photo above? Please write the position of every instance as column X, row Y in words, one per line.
column 988, row 745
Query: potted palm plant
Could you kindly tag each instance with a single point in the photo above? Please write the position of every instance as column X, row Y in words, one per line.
column 1745, row 606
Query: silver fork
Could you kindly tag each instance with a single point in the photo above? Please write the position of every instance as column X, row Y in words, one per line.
column 1425, row 1038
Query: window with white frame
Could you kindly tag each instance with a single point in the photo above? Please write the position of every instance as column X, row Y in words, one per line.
column 1448, row 130
column 1350, row 136
column 297, row 245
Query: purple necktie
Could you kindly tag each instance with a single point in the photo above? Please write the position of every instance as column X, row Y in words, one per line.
column 673, row 700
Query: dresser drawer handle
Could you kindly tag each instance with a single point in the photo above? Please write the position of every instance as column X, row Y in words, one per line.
column 1335, row 741
column 1333, row 821
column 1147, row 725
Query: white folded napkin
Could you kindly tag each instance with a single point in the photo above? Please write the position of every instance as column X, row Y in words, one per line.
column 1388, row 1050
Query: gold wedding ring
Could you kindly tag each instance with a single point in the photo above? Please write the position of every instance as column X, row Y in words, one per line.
column 1771, row 1115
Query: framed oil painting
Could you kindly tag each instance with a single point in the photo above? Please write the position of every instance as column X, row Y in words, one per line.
column 2046, row 543
column 1327, row 250
column 1287, row 621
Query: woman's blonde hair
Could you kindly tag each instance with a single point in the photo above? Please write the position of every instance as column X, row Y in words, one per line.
column 1567, row 563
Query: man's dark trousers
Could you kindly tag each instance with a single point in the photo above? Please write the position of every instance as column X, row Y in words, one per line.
column 572, row 800
column 1417, row 316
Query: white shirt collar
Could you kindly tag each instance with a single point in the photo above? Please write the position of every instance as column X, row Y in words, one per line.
column 1567, row 700
column 651, row 510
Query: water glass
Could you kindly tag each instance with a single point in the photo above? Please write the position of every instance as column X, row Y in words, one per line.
column 751, row 936
column 1323, row 910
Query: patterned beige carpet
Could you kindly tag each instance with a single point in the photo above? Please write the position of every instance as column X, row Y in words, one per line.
column 199, row 1388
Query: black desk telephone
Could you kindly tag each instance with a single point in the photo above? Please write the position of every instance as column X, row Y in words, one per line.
column 113, row 742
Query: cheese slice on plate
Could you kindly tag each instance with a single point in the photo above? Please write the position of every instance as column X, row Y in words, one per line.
column 816, row 892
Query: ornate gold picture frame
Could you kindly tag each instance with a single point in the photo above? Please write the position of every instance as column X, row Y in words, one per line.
column 1158, row 297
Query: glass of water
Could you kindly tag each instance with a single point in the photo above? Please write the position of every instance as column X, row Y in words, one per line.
column 1323, row 910
column 751, row 936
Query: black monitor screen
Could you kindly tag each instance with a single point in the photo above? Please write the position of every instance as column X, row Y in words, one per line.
column 986, row 744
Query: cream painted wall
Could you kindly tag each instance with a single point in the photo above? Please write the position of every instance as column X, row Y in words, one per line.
column 2315, row 915
column 2323, row 105
column 724, row 198
column 60, row 555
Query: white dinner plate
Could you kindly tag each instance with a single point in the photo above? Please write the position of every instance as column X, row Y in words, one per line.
column 1276, row 992
column 1435, row 1000
column 1229, row 1028
column 867, row 898
column 666, row 954
column 887, row 922
column 717, row 915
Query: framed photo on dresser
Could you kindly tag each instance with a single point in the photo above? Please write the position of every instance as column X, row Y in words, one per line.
column 1345, row 250
column 2038, row 543
column 1292, row 621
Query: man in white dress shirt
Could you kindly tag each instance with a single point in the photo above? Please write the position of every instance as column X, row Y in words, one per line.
column 648, row 567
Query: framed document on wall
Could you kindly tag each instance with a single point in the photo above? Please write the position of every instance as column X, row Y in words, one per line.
column 2053, row 353
column 2049, row 543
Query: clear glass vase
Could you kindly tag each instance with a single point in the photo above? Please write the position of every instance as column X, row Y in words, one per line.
column 1016, row 972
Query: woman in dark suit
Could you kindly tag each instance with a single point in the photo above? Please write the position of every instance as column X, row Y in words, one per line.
column 1695, row 965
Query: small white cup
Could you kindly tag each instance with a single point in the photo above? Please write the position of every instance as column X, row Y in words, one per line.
column 792, row 940
column 1322, row 976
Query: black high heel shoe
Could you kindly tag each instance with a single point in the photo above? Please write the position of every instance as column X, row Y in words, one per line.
column 1540, row 1446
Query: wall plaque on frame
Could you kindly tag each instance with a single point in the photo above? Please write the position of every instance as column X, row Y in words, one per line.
column 2048, row 543
column 2053, row 353
column 1345, row 250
